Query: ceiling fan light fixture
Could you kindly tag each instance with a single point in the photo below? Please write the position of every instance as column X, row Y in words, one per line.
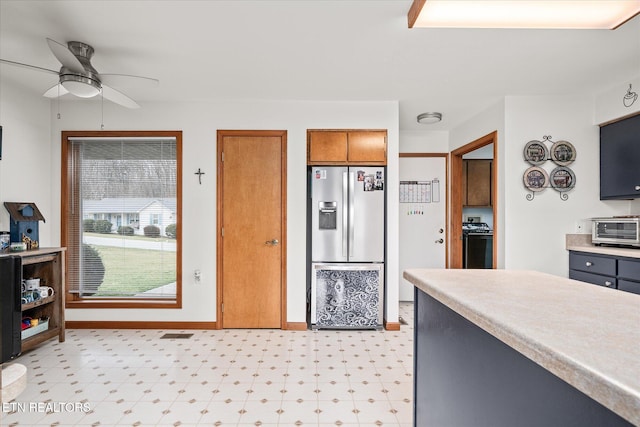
column 78, row 77
column 558, row 14
column 429, row 118
column 80, row 86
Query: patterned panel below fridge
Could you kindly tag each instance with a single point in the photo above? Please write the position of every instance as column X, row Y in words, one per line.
column 347, row 299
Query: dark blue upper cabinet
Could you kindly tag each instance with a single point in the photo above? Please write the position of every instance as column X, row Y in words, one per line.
column 620, row 159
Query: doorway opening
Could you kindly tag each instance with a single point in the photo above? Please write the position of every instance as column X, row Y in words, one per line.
column 459, row 201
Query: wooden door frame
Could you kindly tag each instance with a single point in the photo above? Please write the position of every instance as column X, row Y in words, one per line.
column 455, row 220
column 220, row 209
column 445, row 192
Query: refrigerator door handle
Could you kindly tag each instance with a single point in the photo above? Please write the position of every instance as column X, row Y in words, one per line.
column 345, row 213
column 352, row 188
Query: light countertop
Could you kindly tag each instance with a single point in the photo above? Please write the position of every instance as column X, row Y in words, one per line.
column 582, row 243
column 30, row 252
column 587, row 335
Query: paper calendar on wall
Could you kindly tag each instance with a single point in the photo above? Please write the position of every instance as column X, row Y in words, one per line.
column 420, row 191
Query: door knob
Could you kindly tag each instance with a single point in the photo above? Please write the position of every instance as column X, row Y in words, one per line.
column 273, row 242
column 440, row 241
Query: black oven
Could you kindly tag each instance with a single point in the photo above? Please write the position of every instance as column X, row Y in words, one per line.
column 477, row 246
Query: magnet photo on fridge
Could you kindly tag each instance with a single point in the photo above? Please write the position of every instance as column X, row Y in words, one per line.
column 368, row 183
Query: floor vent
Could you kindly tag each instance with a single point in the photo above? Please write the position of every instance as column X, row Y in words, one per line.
column 176, row 336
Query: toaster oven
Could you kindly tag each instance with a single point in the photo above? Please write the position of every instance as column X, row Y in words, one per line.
column 616, row 231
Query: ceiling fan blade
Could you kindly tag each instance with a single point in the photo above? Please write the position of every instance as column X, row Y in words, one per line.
column 128, row 80
column 118, row 97
column 33, row 67
column 65, row 56
column 55, row 91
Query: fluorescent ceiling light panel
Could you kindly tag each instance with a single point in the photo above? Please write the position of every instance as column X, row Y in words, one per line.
column 561, row 14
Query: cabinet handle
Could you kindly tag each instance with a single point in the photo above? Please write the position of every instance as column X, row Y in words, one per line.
column 608, row 283
column 588, row 263
column 637, row 187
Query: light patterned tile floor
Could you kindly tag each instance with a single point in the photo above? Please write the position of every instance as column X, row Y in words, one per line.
column 238, row 377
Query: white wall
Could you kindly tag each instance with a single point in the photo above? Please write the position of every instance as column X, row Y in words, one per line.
column 536, row 229
column 424, row 141
column 532, row 233
column 536, row 233
column 25, row 168
column 199, row 122
column 610, row 104
column 30, row 171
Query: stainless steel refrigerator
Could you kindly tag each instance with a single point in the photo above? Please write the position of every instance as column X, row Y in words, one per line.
column 347, row 246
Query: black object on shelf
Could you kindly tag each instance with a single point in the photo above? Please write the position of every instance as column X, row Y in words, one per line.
column 10, row 308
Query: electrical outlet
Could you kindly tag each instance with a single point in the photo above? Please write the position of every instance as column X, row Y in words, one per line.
column 197, row 276
column 581, row 227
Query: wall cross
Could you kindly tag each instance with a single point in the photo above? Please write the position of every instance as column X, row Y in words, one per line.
column 199, row 173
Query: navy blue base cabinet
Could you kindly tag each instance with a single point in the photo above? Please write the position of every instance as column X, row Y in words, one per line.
column 465, row 377
column 606, row 270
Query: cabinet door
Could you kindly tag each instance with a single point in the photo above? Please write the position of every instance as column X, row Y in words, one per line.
column 629, row 286
column 619, row 159
column 595, row 279
column 591, row 263
column 629, row 269
column 465, row 189
column 326, row 147
column 368, row 147
column 478, row 179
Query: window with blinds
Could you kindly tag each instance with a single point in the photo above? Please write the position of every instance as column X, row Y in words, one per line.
column 122, row 205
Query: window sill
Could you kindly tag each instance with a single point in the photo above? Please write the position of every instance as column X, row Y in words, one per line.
column 123, row 303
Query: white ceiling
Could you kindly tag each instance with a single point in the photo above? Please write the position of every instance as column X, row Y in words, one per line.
column 314, row 50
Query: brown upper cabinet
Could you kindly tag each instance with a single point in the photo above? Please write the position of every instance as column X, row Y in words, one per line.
column 347, row 147
column 476, row 182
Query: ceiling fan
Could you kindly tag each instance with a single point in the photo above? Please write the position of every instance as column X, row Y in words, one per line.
column 78, row 77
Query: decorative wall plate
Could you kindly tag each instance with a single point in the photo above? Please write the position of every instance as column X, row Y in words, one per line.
column 563, row 153
column 562, row 179
column 536, row 152
column 536, row 179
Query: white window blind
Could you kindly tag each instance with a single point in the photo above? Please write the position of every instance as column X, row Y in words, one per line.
column 122, row 216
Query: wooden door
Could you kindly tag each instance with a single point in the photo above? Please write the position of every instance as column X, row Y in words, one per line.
column 251, row 225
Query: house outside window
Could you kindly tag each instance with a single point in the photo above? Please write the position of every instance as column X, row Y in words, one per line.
column 112, row 182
